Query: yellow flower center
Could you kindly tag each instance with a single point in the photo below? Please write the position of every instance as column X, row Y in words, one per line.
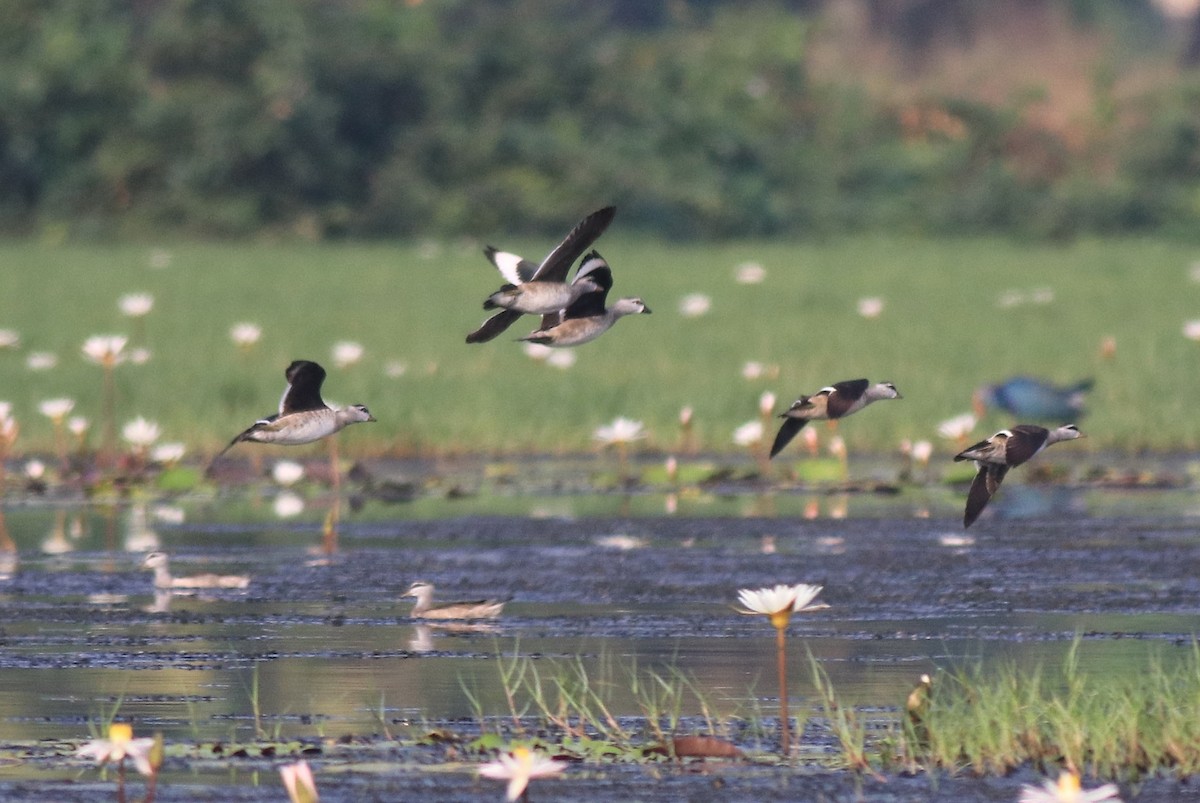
column 780, row 619
column 1068, row 786
column 120, row 733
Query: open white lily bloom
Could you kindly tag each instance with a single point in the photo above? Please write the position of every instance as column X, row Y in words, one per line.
column 519, row 768
column 245, row 334
column 140, row 432
column 56, row 409
column 120, row 745
column 135, row 305
column 105, row 349
column 621, row 430
column 780, row 599
column 1068, row 790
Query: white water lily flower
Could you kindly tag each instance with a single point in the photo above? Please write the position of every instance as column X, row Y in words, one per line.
column 35, row 469
column 287, row 472
column 562, row 359
column 1068, row 790
column 921, row 452
column 245, row 334
column 56, row 409
column 140, row 433
column 168, row 452
column 9, row 339
column 41, row 360
column 958, row 427
column 120, row 745
column 753, row 370
column 394, row 369
column 347, row 353
column 694, row 305
column 77, row 425
column 139, row 356
column 766, row 402
column 537, row 351
column 105, row 349
column 8, row 424
column 749, row 273
column 870, row 307
column 621, row 430
column 135, row 305
column 1191, row 329
column 779, row 599
column 748, row 434
column 287, row 505
column 519, row 768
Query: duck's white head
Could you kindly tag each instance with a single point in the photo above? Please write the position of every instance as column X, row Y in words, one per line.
column 884, row 390
column 1067, row 432
column 630, row 306
column 355, row 414
column 155, row 560
column 420, row 590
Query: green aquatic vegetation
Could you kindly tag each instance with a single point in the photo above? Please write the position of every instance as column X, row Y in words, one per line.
column 576, row 703
column 989, row 720
column 934, row 291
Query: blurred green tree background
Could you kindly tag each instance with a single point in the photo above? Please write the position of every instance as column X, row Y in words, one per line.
column 385, row 118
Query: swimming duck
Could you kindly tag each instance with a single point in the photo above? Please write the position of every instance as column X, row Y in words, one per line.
column 425, row 609
column 1007, row 449
column 303, row 416
column 157, row 561
column 1030, row 398
column 836, row 401
column 540, row 289
column 588, row 317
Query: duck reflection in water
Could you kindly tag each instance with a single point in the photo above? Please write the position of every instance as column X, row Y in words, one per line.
column 422, row 637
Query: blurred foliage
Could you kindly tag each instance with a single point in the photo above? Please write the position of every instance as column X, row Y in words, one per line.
column 328, row 118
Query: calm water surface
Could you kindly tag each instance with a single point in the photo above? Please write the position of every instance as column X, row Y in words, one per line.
column 325, row 647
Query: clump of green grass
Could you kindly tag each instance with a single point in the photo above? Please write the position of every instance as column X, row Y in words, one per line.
column 577, row 703
column 989, row 721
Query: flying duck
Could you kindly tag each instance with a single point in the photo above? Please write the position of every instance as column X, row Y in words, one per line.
column 1030, row 398
column 303, row 416
column 540, row 289
column 157, row 561
column 425, row 609
column 1006, row 449
column 588, row 317
column 836, row 401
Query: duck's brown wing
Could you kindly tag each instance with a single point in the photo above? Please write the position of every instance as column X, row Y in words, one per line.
column 555, row 266
column 786, row 432
column 493, row 326
column 986, row 483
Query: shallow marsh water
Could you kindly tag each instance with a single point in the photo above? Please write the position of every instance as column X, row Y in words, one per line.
column 327, row 652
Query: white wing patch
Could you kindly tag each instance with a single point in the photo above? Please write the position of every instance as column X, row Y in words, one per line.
column 509, row 266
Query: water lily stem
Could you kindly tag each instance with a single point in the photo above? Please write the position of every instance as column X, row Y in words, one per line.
column 781, row 665
column 109, row 414
column 329, row 543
